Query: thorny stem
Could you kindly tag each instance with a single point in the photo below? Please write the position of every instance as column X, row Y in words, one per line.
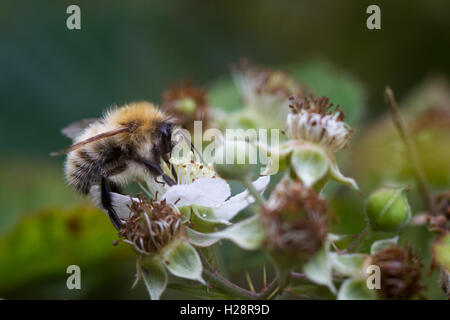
column 216, row 280
column 269, row 291
column 412, row 154
column 252, row 190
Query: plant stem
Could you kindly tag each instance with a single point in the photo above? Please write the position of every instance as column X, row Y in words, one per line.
column 252, row 190
column 219, row 282
column 271, row 289
column 298, row 276
column 412, row 154
column 357, row 240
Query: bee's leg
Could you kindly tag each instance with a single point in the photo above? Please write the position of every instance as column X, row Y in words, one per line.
column 155, row 169
column 166, row 160
column 114, row 188
column 107, row 204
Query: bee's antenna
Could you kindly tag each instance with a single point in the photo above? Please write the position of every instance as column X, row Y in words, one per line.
column 193, row 147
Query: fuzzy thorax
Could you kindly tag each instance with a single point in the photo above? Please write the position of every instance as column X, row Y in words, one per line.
column 311, row 120
column 143, row 116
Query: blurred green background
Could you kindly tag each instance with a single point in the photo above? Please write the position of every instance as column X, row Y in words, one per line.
column 133, row 50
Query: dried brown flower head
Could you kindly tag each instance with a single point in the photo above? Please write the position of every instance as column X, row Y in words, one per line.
column 295, row 220
column 312, row 104
column 400, row 272
column 187, row 103
column 152, row 226
column 312, row 119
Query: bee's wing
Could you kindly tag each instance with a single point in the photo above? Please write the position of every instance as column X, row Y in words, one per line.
column 73, row 130
column 94, row 138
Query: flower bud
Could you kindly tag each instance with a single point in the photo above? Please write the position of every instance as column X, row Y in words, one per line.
column 387, row 209
column 235, row 159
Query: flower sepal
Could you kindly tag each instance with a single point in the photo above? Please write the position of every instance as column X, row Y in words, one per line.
column 204, row 219
column 247, row 234
column 153, row 273
column 182, row 260
column 314, row 166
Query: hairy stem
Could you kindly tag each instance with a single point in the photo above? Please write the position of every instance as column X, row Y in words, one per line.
column 410, row 149
column 357, row 240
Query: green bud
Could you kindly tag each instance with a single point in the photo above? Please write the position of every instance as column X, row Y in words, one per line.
column 235, row 160
column 388, row 209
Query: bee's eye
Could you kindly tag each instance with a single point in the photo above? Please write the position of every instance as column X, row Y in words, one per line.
column 166, row 137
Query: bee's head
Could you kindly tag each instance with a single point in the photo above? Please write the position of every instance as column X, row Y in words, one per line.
column 164, row 137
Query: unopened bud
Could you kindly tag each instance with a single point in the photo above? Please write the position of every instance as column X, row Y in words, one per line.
column 388, row 209
column 235, row 160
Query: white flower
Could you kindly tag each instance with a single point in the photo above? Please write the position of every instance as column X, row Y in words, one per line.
column 197, row 185
column 310, row 120
column 187, row 169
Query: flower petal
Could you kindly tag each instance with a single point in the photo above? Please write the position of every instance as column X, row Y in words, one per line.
column 205, row 192
column 120, row 202
column 230, row 208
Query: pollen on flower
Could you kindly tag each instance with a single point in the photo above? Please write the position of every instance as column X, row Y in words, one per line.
column 312, row 119
column 152, row 226
column 400, row 272
column 295, row 219
column 188, row 169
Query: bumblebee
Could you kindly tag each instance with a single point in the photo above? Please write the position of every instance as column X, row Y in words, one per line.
column 126, row 143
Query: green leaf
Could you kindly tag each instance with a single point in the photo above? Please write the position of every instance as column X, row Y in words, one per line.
column 310, row 164
column 43, row 245
column 154, row 276
column 348, row 264
column 319, row 269
column 247, row 234
column 183, row 261
column 442, row 251
column 355, row 289
column 382, row 244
